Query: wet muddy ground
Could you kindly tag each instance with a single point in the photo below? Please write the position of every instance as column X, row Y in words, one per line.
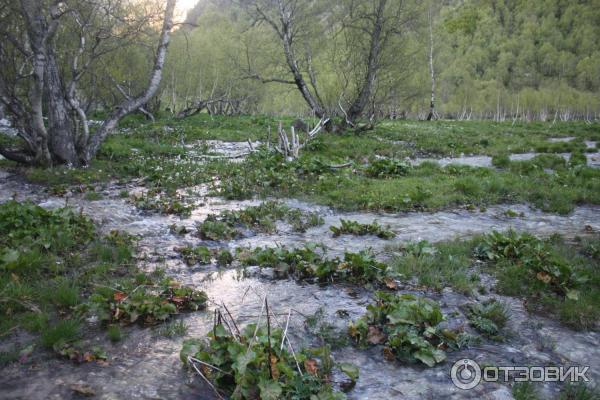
column 146, row 366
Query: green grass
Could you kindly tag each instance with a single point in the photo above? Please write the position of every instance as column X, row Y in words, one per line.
column 173, row 329
column 56, row 270
column 62, row 332
column 114, row 334
column 525, row 391
column 436, row 266
column 579, row 392
column 489, row 318
column 153, row 151
column 558, row 278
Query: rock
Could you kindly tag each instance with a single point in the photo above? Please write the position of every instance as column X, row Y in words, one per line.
column 411, row 390
column 83, row 389
column 502, row 393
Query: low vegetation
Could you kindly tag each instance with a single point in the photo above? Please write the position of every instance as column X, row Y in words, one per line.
column 163, row 202
column 557, row 277
column 435, row 265
column 308, row 263
column 407, row 327
column 205, row 255
column 252, row 364
column 488, row 318
column 164, row 165
column 56, row 271
column 229, row 224
column 355, row 228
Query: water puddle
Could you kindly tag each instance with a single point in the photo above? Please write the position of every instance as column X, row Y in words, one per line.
column 593, row 159
column 145, row 366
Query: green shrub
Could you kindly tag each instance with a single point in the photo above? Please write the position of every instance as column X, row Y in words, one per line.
column 146, row 304
column 253, row 365
column 407, row 327
column 356, row 228
column 488, row 318
column 386, row 168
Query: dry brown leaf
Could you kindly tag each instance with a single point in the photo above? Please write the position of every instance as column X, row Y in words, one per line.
column 388, row 354
column 544, row 277
column 311, row 366
column 83, row 389
column 391, row 283
column 274, row 370
column 119, row 296
column 375, row 336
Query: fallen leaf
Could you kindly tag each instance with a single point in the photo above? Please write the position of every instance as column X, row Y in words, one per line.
column 375, row 336
column 388, row 354
column 83, row 389
column 544, row 277
column 391, row 283
column 119, row 296
column 274, row 370
column 311, row 366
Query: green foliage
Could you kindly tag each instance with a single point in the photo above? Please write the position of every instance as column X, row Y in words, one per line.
column 525, row 391
column 501, row 161
column 61, row 333
column 579, row 391
column 557, row 278
column 147, row 304
column 435, row 265
column 213, row 229
column 228, row 224
column 356, row 228
column 78, row 353
column 385, row 168
column 407, row 327
column 173, row 329
column 195, row 255
column 488, row 318
column 165, row 203
column 252, row 365
column 534, row 255
column 114, row 334
column 224, row 257
column 306, row 263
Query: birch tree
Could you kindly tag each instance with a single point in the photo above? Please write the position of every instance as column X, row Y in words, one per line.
column 46, row 48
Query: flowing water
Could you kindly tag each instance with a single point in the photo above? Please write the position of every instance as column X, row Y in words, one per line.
column 146, row 366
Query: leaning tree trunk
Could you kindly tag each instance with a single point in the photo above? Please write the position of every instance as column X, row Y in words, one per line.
column 49, row 119
column 373, row 63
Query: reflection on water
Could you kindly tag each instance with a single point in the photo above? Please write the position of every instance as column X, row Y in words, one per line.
column 145, row 366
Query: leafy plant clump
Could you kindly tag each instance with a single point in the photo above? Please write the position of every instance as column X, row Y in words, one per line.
column 229, row 224
column 306, row 263
column 386, row 168
column 408, row 328
column 252, row 365
column 535, row 256
column 488, row 318
column 164, row 203
column 358, row 229
column 195, row 255
column 148, row 303
column 205, row 255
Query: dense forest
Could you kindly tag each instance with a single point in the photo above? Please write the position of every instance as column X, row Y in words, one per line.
column 492, row 59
